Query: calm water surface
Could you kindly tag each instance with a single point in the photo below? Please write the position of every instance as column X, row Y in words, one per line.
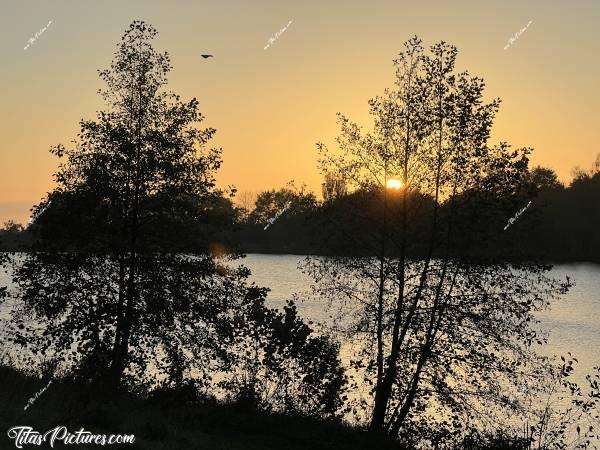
column 573, row 322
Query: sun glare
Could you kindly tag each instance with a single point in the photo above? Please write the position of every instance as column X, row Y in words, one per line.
column 394, row 184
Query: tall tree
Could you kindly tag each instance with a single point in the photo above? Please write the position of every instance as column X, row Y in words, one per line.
column 436, row 333
column 138, row 180
column 108, row 289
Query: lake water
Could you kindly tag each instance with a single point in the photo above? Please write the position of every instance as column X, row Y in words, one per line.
column 573, row 322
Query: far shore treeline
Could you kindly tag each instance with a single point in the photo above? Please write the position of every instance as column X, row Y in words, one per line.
column 562, row 223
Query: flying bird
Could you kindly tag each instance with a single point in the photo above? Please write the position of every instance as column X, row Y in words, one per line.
column 206, row 56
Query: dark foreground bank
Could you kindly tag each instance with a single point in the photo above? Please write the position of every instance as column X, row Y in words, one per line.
column 170, row 420
column 167, row 421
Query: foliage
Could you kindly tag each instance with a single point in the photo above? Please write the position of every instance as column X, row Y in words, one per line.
column 334, row 187
column 566, row 415
column 282, row 365
column 107, row 285
column 289, row 201
column 128, row 282
column 161, row 422
column 280, row 219
column 13, row 237
column 436, row 336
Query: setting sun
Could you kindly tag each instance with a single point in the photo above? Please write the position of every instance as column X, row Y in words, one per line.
column 393, row 184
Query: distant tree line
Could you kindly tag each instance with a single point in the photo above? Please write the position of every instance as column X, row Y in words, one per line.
column 562, row 224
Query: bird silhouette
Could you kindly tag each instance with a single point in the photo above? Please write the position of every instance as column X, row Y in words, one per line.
column 206, row 56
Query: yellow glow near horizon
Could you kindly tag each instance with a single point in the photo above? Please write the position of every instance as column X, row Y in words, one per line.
column 286, row 97
column 393, row 184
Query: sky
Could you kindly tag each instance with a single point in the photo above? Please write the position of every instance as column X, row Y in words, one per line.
column 270, row 107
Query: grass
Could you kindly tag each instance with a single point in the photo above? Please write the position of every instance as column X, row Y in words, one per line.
column 165, row 423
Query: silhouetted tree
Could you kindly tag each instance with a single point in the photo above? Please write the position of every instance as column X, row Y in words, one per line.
column 246, row 200
column 567, row 415
column 107, row 288
column 275, row 203
column 137, row 181
column 281, row 364
column 280, row 221
column 435, row 334
column 569, row 220
column 334, row 187
column 13, row 236
column 544, row 178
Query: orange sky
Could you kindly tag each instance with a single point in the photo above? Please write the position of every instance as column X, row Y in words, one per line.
column 271, row 106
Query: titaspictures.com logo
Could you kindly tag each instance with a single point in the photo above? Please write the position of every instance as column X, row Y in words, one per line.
column 24, row 435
